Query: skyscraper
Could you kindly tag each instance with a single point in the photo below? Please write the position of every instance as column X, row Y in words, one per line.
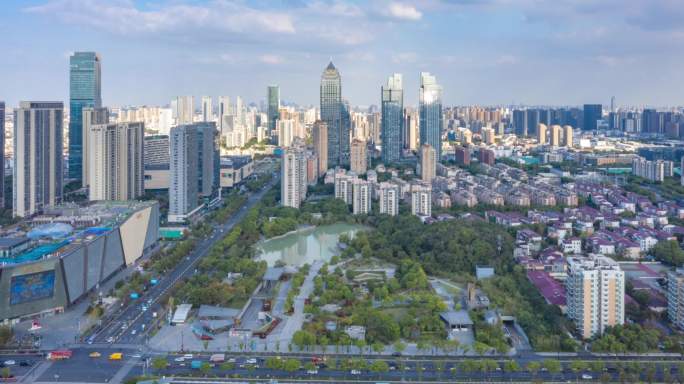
column 428, row 163
column 430, row 104
column 185, row 109
column 592, row 113
column 2, row 154
column 37, row 178
column 392, row 124
column 320, row 144
column 193, row 167
column 207, row 108
column 84, row 91
column 224, row 109
column 273, row 99
column 520, row 122
column 336, row 116
column 293, row 177
column 567, row 136
column 115, row 162
column 541, row 133
column 91, row 116
column 359, row 157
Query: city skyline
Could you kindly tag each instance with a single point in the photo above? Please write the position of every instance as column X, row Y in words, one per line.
column 491, row 52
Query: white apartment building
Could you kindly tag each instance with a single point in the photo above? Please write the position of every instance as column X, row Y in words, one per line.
column 388, row 194
column 343, row 187
column 675, row 297
column 595, row 294
column 361, row 197
column 421, row 200
column 115, row 161
column 293, row 178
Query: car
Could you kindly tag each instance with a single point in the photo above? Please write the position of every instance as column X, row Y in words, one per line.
column 24, row 363
column 110, row 339
column 355, row 372
column 251, row 361
column 94, row 354
column 231, row 360
column 133, row 332
column 136, row 355
column 188, row 356
column 179, row 359
column 312, row 372
column 586, row 376
column 396, row 354
column 9, row 362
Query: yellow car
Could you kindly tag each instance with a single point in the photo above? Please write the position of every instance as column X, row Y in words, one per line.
column 95, row 354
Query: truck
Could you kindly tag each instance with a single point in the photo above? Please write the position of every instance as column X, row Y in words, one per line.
column 217, row 358
column 116, row 356
column 196, row 364
column 59, row 354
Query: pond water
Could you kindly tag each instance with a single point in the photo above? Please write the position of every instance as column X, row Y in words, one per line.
column 306, row 245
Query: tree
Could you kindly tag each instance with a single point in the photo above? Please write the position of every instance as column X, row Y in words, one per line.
column 511, row 366
column 533, row 367
column 159, row 363
column 303, row 338
column 553, row 366
column 378, row 347
column 379, row 366
column 6, row 373
column 291, row 365
column 227, row 366
column 205, row 368
column 5, row 335
column 669, row 252
column 399, row 346
column 578, row 366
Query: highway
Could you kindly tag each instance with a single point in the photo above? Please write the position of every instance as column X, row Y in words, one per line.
column 131, row 324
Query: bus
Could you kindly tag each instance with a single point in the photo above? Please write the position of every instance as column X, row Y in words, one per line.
column 59, row 354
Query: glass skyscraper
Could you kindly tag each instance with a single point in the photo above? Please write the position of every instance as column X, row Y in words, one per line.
column 336, row 116
column 392, row 104
column 273, row 99
column 84, row 91
column 592, row 113
column 430, row 105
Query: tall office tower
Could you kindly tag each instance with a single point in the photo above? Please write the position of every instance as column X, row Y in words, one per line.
column 273, row 98
column 239, row 110
column 91, row 116
column 545, row 117
column 115, row 161
column 375, row 127
column 612, row 104
column 428, row 163
column 293, row 177
column 185, row 109
column 651, row 121
column 541, row 134
column 532, row 121
column 556, row 131
column 286, row 130
column 320, row 145
column 343, row 188
column 193, row 167
column 430, row 103
column 331, row 112
column 84, row 91
column 567, row 136
column 361, row 191
column 224, row 109
column 359, row 157
column 2, row 154
column 595, row 294
column 156, row 151
column 389, row 198
column 675, row 297
column 392, row 104
column 520, row 122
column 592, row 113
column 207, row 109
column 345, row 133
column 421, row 200
column 37, row 172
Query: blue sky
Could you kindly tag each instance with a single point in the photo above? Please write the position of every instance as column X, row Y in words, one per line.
column 557, row 52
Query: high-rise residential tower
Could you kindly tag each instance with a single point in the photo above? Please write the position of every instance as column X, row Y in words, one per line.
column 185, row 109
column 541, row 133
column 336, row 116
column 359, row 157
column 428, row 163
column 84, row 91
column 595, row 294
column 320, row 144
column 430, row 104
column 392, row 124
column 388, row 194
column 207, row 109
column 567, row 136
column 293, row 177
column 116, row 168
column 273, row 99
column 37, row 178
column 361, row 197
column 91, row 116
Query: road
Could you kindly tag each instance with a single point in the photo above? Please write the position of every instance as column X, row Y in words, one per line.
column 131, row 324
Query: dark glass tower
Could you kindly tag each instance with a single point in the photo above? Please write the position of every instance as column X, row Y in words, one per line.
column 273, row 97
column 84, row 91
column 336, row 116
column 592, row 113
column 430, row 103
column 392, row 104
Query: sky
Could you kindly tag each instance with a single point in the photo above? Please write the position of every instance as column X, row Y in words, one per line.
column 488, row 52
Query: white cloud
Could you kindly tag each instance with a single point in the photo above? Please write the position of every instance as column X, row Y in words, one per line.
column 404, row 11
column 405, row 57
column 271, row 59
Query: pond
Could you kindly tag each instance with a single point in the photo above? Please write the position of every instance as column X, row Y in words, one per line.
column 305, row 245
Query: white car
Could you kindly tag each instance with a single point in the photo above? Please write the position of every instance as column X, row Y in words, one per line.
column 312, row 372
column 179, row 359
column 9, row 362
column 586, row 376
column 188, row 356
column 251, row 361
column 110, row 339
column 355, row 372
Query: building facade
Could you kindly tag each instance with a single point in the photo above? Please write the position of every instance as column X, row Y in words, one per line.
column 392, row 123
column 388, row 197
column 85, row 90
column 430, row 104
column 361, row 190
column 421, row 200
column 336, row 116
column 116, row 167
column 359, row 157
column 293, row 179
column 38, row 171
column 273, row 99
column 320, row 144
column 428, row 163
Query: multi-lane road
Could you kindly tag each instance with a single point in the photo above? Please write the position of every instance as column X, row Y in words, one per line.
column 131, row 324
